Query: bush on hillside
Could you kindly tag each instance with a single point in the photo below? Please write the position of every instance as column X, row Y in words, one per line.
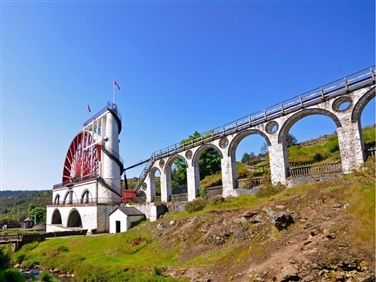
column 268, row 189
column 196, row 205
column 46, row 277
column 11, row 275
column 4, row 257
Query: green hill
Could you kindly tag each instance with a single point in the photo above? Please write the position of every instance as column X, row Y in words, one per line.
column 329, row 234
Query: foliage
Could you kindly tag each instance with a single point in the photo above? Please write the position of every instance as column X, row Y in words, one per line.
column 45, row 276
column 245, row 158
column 157, row 270
column 4, row 257
column 209, row 163
column 15, row 204
column 38, row 213
column 268, row 189
column 202, row 192
column 241, row 170
column 11, row 275
column 179, row 174
column 291, row 140
column 195, row 205
column 264, row 148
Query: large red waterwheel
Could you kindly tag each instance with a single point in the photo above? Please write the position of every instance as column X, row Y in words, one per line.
column 82, row 160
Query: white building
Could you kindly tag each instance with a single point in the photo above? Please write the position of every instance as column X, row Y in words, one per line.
column 91, row 185
column 121, row 218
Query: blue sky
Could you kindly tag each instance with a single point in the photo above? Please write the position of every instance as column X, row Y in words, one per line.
column 183, row 66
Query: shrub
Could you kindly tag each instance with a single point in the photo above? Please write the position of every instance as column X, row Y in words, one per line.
column 63, row 249
column 45, row 276
column 11, row 275
column 270, row 190
column 196, row 205
column 157, row 270
column 317, row 157
column 4, row 257
column 217, row 201
column 202, row 192
column 241, row 170
column 19, row 257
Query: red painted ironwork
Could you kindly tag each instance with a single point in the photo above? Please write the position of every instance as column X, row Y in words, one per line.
column 79, row 162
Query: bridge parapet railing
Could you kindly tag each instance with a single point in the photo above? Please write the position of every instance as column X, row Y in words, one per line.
column 371, row 152
column 316, row 169
column 309, row 98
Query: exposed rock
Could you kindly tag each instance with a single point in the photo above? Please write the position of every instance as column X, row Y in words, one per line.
column 288, row 273
column 250, row 214
column 257, row 219
column 281, row 220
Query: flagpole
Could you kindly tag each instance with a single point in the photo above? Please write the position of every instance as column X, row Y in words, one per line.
column 113, row 92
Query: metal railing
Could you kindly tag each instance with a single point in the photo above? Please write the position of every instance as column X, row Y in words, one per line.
column 83, row 201
column 76, row 181
column 315, row 96
column 109, row 106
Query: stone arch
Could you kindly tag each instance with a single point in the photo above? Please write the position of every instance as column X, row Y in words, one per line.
column 202, row 149
column 238, row 138
column 74, row 219
column 299, row 115
column 361, row 104
column 68, row 198
column 57, row 200
column 56, row 217
column 171, row 160
column 85, row 197
column 153, row 184
column 153, row 170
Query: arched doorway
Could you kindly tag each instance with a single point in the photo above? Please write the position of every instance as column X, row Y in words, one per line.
column 74, row 219
column 56, row 217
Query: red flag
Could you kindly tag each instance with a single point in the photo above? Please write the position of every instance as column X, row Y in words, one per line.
column 115, row 83
column 88, row 108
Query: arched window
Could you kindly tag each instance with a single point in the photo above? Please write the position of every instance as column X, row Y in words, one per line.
column 68, row 198
column 57, row 200
column 85, row 198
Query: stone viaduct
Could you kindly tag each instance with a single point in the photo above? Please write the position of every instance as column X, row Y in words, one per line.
column 342, row 101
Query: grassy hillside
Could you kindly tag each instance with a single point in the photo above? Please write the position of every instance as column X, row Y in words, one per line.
column 333, row 228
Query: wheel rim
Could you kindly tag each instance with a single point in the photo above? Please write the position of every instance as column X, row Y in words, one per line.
column 81, row 164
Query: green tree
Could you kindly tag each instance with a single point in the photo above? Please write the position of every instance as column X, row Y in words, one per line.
column 209, row 163
column 39, row 214
column 247, row 157
column 178, row 174
column 30, row 208
column 291, row 140
column 264, row 148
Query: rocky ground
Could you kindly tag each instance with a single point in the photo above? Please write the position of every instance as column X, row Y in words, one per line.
column 309, row 237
